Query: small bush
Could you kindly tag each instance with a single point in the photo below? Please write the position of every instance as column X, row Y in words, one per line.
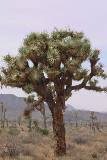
column 28, row 140
column 12, row 150
column 28, row 150
column 94, row 155
column 12, row 147
column 14, row 131
column 44, row 131
column 79, row 139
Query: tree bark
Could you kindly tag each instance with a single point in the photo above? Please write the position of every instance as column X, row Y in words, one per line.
column 59, row 127
column 57, row 107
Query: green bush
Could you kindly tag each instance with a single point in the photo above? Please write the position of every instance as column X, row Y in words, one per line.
column 14, row 131
column 43, row 131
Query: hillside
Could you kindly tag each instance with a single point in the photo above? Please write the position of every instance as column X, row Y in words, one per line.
column 15, row 106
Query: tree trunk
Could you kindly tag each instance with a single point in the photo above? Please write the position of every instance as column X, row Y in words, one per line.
column 57, row 109
column 59, row 128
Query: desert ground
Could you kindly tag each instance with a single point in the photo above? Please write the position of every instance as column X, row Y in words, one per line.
column 21, row 143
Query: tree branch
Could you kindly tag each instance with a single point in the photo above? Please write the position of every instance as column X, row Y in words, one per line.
column 96, row 88
column 84, row 82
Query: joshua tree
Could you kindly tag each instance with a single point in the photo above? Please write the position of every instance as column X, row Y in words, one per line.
column 94, row 122
column 2, row 108
column 76, row 118
column 29, row 100
column 19, row 120
column 49, row 65
column 31, row 106
column 3, row 115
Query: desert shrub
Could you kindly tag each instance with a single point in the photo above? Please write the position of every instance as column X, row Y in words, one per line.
column 12, row 150
column 43, row 131
column 28, row 150
column 94, row 155
column 12, row 147
column 28, row 140
column 32, row 138
column 80, row 139
column 13, row 131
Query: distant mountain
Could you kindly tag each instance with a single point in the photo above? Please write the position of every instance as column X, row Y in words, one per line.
column 15, row 107
column 13, row 104
column 70, row 107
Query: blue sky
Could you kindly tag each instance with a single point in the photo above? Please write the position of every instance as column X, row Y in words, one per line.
column 20, row 17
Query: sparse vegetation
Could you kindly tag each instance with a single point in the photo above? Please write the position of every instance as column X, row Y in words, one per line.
column 81, row 144
column 81, row 139
column 13, row 131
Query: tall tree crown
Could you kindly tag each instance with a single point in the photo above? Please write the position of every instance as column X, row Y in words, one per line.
column 46, row 61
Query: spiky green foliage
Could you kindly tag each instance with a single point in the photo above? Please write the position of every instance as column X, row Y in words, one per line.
column 58, row 56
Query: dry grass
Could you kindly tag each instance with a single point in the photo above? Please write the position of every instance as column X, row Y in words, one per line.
column 82, row 144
